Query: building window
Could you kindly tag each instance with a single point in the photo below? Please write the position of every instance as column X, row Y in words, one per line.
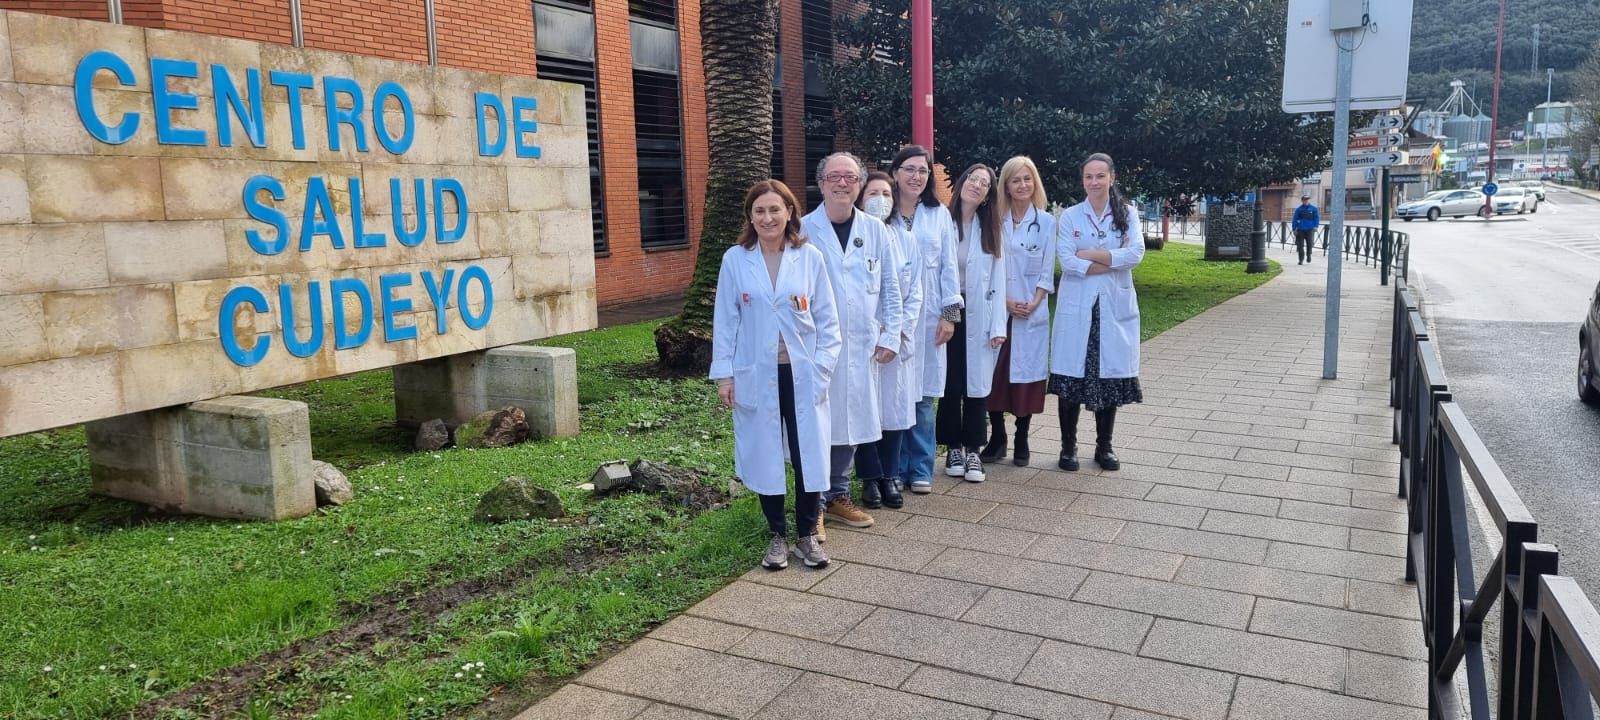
column 816, row 32
column 658, row 125
column 565, row 44
column 776, row 169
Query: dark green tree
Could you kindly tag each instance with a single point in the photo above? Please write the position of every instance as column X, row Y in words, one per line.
column 1586, row 96
column 737, row 39
column 1185, row 94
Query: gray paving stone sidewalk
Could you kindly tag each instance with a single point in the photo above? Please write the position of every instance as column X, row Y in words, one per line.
column 1244, row 564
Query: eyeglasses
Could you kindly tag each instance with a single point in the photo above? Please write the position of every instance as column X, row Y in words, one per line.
column 978, row 182
column 839, row 177
column 915, row 171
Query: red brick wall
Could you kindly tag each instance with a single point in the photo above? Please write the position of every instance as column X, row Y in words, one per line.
column 487, row 35
column 82, row 9
column 792, row 45
column 394, row 30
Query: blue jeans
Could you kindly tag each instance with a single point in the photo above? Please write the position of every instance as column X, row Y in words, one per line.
column 880, row 459
column 841, row 458
column 917, row 448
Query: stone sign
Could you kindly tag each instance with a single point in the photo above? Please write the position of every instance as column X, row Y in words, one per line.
column 185, row 217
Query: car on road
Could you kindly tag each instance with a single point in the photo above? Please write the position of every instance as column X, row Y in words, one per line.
column 1535, row 187
column 1455, row 203
column 1515, row 199
column 1588, row 350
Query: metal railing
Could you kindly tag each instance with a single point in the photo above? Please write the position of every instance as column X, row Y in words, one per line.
column 1549, row 637
column 1362, row 243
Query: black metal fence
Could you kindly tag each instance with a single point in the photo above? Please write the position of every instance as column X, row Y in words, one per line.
column 1362, row 243
column 1549, row 651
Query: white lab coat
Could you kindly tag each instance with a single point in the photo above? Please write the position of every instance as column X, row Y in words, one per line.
column 868, row 296
column 935, row 239
column 748, row 319
column 900, row 379
column 1075, row 299
column 1030, row 256
column 985, row 292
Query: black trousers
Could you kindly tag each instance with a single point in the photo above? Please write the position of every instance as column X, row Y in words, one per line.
column 806, row 504
column 1305, row 241
column 960, row 421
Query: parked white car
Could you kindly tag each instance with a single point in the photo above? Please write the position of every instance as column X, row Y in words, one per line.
column 1515, row 199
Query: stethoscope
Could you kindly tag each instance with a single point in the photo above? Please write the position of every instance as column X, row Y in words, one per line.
column 1033, row 226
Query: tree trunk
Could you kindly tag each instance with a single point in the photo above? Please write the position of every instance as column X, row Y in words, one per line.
column 737, row 39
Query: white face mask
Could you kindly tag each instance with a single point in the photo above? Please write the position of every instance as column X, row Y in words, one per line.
column 879, row 207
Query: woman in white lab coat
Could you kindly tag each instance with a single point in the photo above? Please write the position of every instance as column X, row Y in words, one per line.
column 899, row 380
column 1094, row 358
column 774, row 343
column 1030, row 260
column 975, row 348
column 919, row 212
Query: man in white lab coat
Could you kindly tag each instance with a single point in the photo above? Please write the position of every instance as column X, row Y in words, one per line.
column 860, row 256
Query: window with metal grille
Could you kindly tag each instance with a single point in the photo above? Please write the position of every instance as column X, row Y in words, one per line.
column 777, row 137
column 657, row 11
column 816, row 32
column 663, row 210
column 565, row 45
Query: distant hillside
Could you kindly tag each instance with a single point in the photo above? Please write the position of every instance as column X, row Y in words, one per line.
column 1454, row 40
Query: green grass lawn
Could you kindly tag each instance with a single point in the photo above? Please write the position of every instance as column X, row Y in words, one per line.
column 396, row 605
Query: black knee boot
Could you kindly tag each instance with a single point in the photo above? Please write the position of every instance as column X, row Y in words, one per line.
column 1019, row 452
column 1069, row 435
column 996, row 448
column 1104, row 421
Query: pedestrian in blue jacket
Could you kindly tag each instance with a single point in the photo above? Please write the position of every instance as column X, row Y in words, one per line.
column 1306, row 222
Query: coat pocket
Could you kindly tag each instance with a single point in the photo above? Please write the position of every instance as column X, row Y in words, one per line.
column 1125, row 305
column 747, row 388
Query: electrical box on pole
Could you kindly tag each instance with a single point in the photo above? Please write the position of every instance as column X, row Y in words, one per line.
column 1347, row 14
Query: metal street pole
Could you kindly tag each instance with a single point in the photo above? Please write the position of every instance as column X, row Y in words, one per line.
column 1544, row 158
column 922, row 73
column 1494, row 112
column 1383, row 272
column 1258, row 242
column 1346, row 42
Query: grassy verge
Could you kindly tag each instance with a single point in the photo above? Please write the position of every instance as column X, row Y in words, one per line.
column 396, row 605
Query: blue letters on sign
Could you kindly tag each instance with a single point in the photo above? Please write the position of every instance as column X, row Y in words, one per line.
column 226, row 97
column 244, row 294
column 319, row 218
column 332, row 88
column 265, row 213
column 484, row 101
column 358, row 220
column 166, row 100
column 292, row 83
column 520, row 105
column 393, row 306
column 397, row 204
column 312, row 344
column 83, row 97
column 399, row 145
column 453, row 187
column 475, row 322
column 440, row 293
column 342, row 339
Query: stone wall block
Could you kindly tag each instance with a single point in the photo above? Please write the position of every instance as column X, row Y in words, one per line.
column 244, row 261
column 45, row 49
column 227, row 475
column 536, row 188
column 13, row 184
column 566, row 231
column 198, row 304
column 148, row 252
column 562, row 146
column 138, row 457
column 50, row 124
column 517, row 321
column 149, row 381
column 541, row 380
column 376, row 353
column 22, row 325
column 453, row 90
column 64, row 256
column 12, row 111
column 211, row 189
column 32, row 396
column 540, row 275
column 583, row 272
column 5, row 48
column 424, row 148
column 93, row 189
column 280, row 134
column 113, row 105
column 458, row 138
column 86, row 322
column 316, row 63
column 575, row 188
column 372, row 72
column 524, row 233
column 204, row 51
column 501, row 279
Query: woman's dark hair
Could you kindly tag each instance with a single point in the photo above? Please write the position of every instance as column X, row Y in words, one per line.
column 861, row 197
column 988, row 221
column 1119, row 206
column 747, row 236
column 928, row 197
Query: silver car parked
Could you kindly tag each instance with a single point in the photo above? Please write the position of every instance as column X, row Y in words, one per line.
column 1455, row 203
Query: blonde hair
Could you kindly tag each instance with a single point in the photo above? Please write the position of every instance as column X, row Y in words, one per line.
column 1010, row 170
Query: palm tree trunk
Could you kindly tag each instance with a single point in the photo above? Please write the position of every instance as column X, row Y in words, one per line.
column 737, row 40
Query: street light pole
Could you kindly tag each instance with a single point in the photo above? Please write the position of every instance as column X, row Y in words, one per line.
column 922, row 73
column 1494, row 113
column 1544, row 158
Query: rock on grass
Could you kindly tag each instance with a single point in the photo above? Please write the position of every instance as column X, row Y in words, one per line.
column 517, row 499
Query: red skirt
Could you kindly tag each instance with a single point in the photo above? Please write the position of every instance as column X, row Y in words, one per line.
column 1019, row 399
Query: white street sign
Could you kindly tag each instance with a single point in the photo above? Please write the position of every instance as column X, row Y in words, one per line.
column 1376, row 142
column 1381, row 59
column 1380, row 159
column 1386, row 122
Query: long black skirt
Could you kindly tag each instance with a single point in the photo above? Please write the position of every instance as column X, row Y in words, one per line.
column 1091, row 390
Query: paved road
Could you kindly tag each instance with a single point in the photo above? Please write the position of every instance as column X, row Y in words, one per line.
column 1506, row 299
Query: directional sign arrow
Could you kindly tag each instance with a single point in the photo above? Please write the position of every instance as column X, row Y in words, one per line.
column 1386, row 122
column 1376, row 142
column 1376, row 159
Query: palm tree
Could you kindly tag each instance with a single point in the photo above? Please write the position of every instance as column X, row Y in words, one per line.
column 737, row 40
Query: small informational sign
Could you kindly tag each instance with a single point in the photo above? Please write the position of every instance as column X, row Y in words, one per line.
column 1490, row 189
column 1381, row 62
column 1376, row 159
column 1405, row 178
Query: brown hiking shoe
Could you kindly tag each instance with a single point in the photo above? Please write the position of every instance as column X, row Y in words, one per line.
column 822, row 533
column 842, row 510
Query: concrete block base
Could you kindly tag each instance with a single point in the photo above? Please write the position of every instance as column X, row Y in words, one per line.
column 541, row 380
column 236, row 457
